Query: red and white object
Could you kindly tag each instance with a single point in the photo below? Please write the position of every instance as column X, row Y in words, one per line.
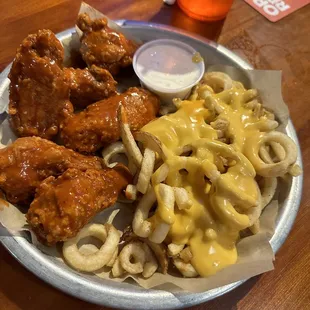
column 275, row 10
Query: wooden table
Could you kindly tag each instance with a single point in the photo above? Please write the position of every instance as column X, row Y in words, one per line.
column 284, row 45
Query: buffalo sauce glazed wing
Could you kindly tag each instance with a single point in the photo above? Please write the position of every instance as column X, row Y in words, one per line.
column 98, row 124
column 28, row 161
column 63, row 205
column 39, row 93
column 89, row 85
column 103, row 46
column 41, row 89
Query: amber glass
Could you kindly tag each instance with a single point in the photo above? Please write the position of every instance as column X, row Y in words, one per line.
column 207, row 10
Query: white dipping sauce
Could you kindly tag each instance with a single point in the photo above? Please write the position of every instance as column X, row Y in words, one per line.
column 167, row 66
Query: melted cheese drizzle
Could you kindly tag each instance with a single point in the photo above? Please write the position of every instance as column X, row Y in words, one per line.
column 221, row 208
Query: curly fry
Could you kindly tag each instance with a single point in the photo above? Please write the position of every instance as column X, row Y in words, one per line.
column 151, row 264
column 218, row 81
column 107, row 233
column 133, row 251
column 117, row 269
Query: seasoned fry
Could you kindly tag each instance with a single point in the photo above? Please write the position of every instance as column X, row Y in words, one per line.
column 212, row 106
column 129, row 142
column 175, row 249
column 186, row 269
column 117, row 148
column 268, row 188
column 140, row 225
column 131, row 192
column 117, row 269
column 218, row 81
column 160, row 252
column 279, row 151
column 146, row 171
column 166, row 109
column 136, row 252
column 165, row 201
column 177, row 102
column 272, row 169
column 295, row 170
column 181, row 198
column 113, row 259
column 151, row 264
column 112, row 216
column 204, row 91
column 255, row 227
column 186, row 255
column 112, row 150
column 107, row 233
column 151, row 142
column 160, row 174
column 160, row 232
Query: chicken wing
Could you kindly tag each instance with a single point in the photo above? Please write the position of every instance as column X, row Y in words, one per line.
column 64, row 205
column 103, row 46
column 89, row 86
column 98, row 125
column 39, row 93
column 28, row 161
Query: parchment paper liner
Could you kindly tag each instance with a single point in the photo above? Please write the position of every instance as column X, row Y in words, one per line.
column 255, row 255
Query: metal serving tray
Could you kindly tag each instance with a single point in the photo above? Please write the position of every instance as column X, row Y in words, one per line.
column 125, row 295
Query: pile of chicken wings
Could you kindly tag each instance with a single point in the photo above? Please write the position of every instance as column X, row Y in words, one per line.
column 65, row 183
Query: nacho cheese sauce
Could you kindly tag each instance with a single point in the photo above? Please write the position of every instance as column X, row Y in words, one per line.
column 167, row 66
column 221, row 209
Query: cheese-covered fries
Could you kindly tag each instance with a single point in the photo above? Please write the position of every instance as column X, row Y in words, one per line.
column 203, row 174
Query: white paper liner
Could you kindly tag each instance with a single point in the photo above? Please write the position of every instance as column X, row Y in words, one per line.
column 94, row 14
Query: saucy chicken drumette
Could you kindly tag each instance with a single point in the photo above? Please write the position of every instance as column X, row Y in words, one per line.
column 69, row 188
column 103, row 46
column 98, row 124
column 63, row 205
column 39, row 93
column 26, row 162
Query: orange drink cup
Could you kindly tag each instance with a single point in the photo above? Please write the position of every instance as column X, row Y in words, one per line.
column 206, row 10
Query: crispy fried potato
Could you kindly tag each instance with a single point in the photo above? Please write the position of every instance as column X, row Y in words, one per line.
column 107, row 233
column 146, row 171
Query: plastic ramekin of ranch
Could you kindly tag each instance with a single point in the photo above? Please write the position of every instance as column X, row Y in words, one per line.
column 168, row 68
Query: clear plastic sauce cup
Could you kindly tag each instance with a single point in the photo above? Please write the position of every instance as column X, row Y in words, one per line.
column 169, row 68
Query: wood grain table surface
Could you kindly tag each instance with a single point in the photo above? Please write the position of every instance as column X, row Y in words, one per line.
column 284, row 45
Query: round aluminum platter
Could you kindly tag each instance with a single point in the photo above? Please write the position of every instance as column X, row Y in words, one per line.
column 125, row 295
